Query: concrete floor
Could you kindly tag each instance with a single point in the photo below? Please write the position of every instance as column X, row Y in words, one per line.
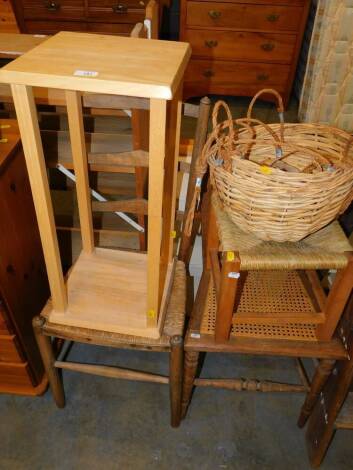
column 109, row 424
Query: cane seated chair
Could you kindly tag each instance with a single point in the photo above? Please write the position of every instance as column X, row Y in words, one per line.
column 265, row 298
column 171, row 341
column 278, row 288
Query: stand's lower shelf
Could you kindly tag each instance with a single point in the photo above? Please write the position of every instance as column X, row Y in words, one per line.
column 107, row 290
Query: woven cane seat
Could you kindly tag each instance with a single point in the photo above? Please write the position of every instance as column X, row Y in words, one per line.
column 321, row 250
column 273, row 293
column 173, row 323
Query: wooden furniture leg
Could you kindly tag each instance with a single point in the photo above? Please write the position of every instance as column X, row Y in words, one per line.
column 191, row 360
column 140, row 134
column 187, row 242
column 321, row 375
column 157, row 148
column 325, row 418
column 336, row 301
column 46, row 351
column 176, row 378
column 210, row 240
column 33, row 150
column 228, row 288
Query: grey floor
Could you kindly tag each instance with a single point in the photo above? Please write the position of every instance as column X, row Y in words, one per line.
column 109, row 424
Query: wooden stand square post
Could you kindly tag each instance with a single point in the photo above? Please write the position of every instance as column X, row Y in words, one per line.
column 165, row 119
column 79, row 155
column 33, row 151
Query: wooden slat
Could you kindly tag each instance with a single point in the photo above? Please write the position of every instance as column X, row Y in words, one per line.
column 92, row 100
column 78, row 147
column 112, row 372
column 273, row 318
column 128, row 159
column 134, row 206
column 333, row 349
column 32, row 145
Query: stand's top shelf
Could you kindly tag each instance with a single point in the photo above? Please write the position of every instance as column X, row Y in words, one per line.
column 102, row 64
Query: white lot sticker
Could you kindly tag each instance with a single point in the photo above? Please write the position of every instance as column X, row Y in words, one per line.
column 85, row 73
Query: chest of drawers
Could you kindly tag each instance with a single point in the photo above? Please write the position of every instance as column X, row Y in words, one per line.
column 241, row 46
column 23, row 281
column 101, row 16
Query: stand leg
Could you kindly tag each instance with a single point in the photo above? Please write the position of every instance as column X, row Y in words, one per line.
column 176, row 378
column 321, row 375
column 190, row 367
column 46, row 351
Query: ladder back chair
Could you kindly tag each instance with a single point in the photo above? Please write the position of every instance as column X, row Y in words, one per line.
column 171, row 341
column 265, row 298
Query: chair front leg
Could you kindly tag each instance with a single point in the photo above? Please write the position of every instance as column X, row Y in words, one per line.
column 46, row 351
column 321, row 375
column 176, row 378
column 191, row 360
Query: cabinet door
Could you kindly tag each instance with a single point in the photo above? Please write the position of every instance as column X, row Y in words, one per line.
column 23, row 279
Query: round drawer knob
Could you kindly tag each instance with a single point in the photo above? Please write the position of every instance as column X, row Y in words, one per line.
column 268, row 47
column 208, row 73
column 272, row 18
column 214, row 14
column 211, row 43
column 53, row 6
column 262, row 77
column 119, row 8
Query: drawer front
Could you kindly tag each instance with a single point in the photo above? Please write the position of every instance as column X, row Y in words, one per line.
column 227, row 75
column 14, row 375
column 9, row 350
column 244, row 16
column 53, row 9
column 229, row 45
column 265, row 2
column 129, row 11
column 121, row 29
column 115, row 6
column 52, row 27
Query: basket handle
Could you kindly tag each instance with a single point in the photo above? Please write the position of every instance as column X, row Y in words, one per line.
column 246, row 122
column 348, row 146
column 280, row 107
column 216, row 125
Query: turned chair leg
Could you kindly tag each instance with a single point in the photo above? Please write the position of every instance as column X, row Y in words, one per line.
column 321, row 375
column 46, row 351
column 176, row 378
column 191, row 360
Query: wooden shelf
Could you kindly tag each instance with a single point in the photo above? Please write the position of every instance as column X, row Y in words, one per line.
column 107, row 290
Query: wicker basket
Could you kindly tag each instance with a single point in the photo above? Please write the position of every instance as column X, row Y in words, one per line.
column 281, row 182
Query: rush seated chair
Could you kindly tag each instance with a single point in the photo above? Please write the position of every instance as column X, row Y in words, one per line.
column 265, row 298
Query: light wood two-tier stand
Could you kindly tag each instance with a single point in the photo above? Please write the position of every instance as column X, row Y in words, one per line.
column 110, row 290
